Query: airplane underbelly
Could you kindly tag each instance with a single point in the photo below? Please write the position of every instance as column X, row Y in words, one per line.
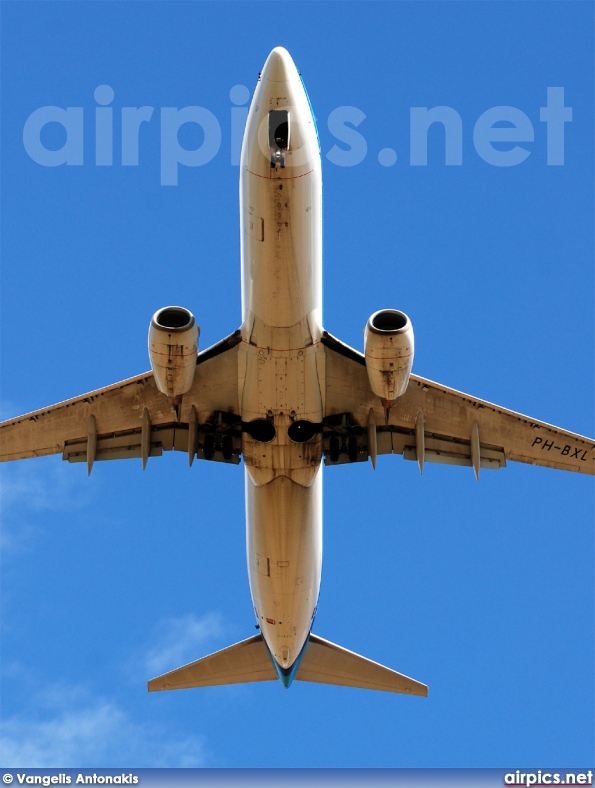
column 281, row 357
column 281, row 392
column 284, row 553
column 281, row 361
column 281, row 251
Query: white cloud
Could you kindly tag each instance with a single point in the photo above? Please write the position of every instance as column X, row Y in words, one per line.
column 67, row 726
column 33, row 486
column 70, row 728
column 177, row 641
column 40, row 485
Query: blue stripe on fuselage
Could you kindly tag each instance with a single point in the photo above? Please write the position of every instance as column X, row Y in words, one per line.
column 286, row 675
column 311, row 111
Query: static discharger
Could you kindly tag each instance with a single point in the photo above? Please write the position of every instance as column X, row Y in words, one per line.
column 475, row 449
column 420, row 444
column 192, row 433
column 372, row 438
column 91, row 443
column 145, row 437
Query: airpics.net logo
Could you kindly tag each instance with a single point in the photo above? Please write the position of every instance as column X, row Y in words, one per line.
column 522, row 779
column 55, row 136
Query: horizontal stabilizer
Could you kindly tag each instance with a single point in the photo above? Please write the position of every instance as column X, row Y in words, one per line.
column 245, row 661
column 326, row 663
column 322, row 662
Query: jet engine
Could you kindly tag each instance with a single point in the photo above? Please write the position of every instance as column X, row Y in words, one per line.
column 388, row 347
column 173, row 349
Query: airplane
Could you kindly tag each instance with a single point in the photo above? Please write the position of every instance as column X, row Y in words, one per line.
column 287, row 397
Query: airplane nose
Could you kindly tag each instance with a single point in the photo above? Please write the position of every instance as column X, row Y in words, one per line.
column 279, row 66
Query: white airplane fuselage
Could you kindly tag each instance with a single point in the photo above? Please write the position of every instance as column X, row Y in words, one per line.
column 281, row 363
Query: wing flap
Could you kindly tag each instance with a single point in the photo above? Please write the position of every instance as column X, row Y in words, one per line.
column 128, row 444
column 324, row 662
column 453, row 453
column 243, row 662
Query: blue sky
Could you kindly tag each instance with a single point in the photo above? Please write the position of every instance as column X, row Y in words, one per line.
column 483, row 591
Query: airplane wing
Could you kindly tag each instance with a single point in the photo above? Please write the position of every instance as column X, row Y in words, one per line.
column 134, row 419
column 433, row 423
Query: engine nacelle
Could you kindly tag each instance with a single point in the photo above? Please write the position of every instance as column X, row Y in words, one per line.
column 388, row 347
column 173, row 348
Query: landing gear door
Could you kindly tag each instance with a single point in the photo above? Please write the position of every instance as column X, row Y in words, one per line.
column 278, row 135
column 279, row 129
